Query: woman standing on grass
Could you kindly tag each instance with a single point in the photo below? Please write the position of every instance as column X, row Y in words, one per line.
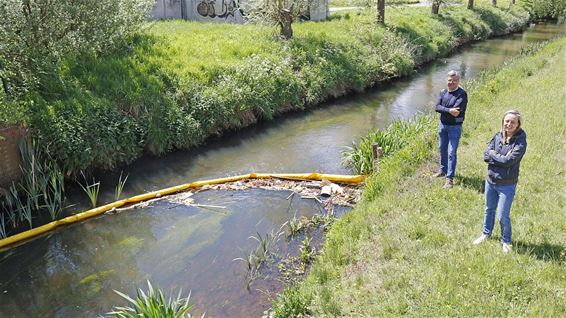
column 503, row 156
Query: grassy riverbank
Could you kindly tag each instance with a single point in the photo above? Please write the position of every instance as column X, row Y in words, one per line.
column 180, row 82
column 406, row 250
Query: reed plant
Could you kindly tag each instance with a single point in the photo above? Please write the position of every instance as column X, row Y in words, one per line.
column 294, row 226
column 2, row 226
column 24, row 209
column 306, row 252
column 54, row 192
column 41, row 187
column 265, row 252
column 153, row 303
column 91, row 190
column 390, row 140
column 297, row 225
column 120, row 186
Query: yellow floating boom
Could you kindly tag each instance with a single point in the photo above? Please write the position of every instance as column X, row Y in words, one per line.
column 24, row 236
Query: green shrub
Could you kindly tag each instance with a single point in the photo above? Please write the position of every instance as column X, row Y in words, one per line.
column 541, row 9
column 292, row 303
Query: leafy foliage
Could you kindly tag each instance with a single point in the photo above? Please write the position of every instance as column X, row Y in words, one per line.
column 36, row 34
column 545, row 8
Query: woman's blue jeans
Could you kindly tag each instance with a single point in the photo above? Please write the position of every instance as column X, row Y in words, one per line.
column 448, row 139
column 500, row 198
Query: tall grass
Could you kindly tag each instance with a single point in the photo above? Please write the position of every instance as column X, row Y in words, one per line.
column 406, row 249
column 393, row 138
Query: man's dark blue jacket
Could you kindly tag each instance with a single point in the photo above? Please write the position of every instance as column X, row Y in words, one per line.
column 447, row 100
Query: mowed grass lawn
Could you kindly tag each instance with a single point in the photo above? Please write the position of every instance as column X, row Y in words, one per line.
column 407, row 249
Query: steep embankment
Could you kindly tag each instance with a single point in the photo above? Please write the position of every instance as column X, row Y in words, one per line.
column 407, row 249
column 180, row 82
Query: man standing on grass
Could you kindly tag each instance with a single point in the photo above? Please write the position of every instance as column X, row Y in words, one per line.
column 451, row 104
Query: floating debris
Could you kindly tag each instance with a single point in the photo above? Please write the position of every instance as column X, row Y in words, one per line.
column 325, row 192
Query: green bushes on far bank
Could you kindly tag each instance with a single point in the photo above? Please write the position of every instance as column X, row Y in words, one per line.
column 541, row 9
column 180, row 82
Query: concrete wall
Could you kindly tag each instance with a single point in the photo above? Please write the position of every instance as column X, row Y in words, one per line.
column 10, row 154
column 319, row 10
column 218, row 10
column 168, row 9
column 214, row 11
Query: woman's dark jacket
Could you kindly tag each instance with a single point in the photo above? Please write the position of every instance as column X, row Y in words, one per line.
column 503, row 159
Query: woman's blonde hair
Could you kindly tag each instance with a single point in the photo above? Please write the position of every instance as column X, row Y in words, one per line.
column 510, row 112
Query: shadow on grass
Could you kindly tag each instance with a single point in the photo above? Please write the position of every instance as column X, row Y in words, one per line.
column 494, row 20
column 545, row 251
column 472, row 182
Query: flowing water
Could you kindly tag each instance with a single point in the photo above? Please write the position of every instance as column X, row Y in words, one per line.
column 72, row 272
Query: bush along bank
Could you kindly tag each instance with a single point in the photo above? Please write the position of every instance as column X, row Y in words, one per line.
column 406, row 249
column 180, row 82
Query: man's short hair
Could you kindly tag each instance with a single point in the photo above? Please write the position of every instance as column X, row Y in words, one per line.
column 453, row 73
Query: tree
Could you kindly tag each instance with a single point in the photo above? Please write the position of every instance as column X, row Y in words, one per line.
column 436, row 6
column 437, row 3
column 494, row 3
column 470, row 4
column 381, row 11
column 280, row 13
column 36, row 34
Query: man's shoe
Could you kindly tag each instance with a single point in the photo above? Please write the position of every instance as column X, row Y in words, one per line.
column 439, row 174
column 507, row 248
column 481, row 239
column 449, row 184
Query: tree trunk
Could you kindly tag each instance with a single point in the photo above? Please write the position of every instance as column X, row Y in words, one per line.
column 494, row 2
column 381, row 11
column 470, row 4
column 5, row 84
column 512, row 1
column 285, row 24
column 435, row 7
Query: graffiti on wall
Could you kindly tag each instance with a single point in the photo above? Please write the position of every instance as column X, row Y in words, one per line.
column 218, row 8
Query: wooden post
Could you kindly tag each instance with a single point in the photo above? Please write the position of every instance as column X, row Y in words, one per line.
column 376, row 151
column 381, row 11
